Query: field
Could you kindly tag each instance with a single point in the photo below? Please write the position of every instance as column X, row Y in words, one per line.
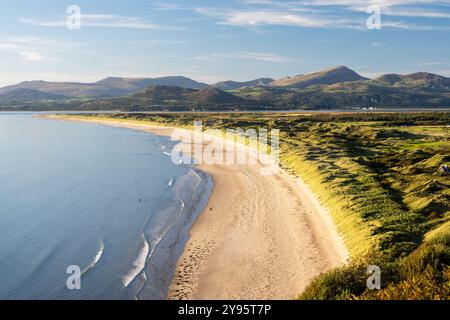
column 380, row 176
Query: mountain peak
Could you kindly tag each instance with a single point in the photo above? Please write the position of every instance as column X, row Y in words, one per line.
column 327, row 77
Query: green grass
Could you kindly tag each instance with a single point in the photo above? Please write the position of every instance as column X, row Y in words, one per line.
column 378, row 174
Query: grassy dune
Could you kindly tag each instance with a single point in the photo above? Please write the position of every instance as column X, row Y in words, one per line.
column 378, row 173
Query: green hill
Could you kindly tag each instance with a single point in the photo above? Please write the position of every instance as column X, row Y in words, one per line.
column 233, row 85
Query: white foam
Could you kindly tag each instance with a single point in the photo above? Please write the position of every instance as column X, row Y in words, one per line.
column 97, row 257
column 138, row 265
column 199, row 179
column 99, row 254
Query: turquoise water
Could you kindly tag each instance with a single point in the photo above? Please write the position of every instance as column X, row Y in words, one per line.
column 105, row 199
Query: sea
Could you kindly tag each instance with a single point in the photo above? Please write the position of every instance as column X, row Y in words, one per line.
column 89, row 211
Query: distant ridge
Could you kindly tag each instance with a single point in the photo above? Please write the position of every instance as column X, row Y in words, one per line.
column 416, row 81
column 135, row 84
column 108, row 87
column 233, row 85
column 29, row 95
column 68, row 89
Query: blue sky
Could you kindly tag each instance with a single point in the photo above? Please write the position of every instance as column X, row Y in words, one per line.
column 219, row 40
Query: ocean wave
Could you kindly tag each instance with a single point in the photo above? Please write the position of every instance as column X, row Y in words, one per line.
column 138, row 264
column 96, row 259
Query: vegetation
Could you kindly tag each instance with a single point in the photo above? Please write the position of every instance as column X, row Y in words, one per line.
column 379, row 175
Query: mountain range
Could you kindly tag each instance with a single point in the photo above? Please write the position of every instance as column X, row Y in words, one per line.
column 108, row 87
column 338, row 87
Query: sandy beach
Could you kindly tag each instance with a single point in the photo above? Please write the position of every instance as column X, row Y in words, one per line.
column 260, row 237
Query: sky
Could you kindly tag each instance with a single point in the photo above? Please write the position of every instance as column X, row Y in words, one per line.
column 212, row 41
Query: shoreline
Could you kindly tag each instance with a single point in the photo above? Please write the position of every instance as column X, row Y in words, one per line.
column 162, row 261
column 260, row 237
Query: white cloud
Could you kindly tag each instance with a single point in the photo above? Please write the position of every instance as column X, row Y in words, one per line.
column 156, row 42
column 263, row 17
column 273, row 18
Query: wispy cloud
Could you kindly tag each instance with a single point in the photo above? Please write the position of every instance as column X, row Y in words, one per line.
column 399, row 8
column 244, row 55
column 168, row 6
column 359, row 4
column 37, row 49
column 263, row 17
column 429, row 63
column 102, row 21
column 323, row 13
column 415, row 13
column 156, row 42
column 411, row 26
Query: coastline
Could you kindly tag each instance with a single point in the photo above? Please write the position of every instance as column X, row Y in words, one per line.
column 260, row 237
column 167, row 247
